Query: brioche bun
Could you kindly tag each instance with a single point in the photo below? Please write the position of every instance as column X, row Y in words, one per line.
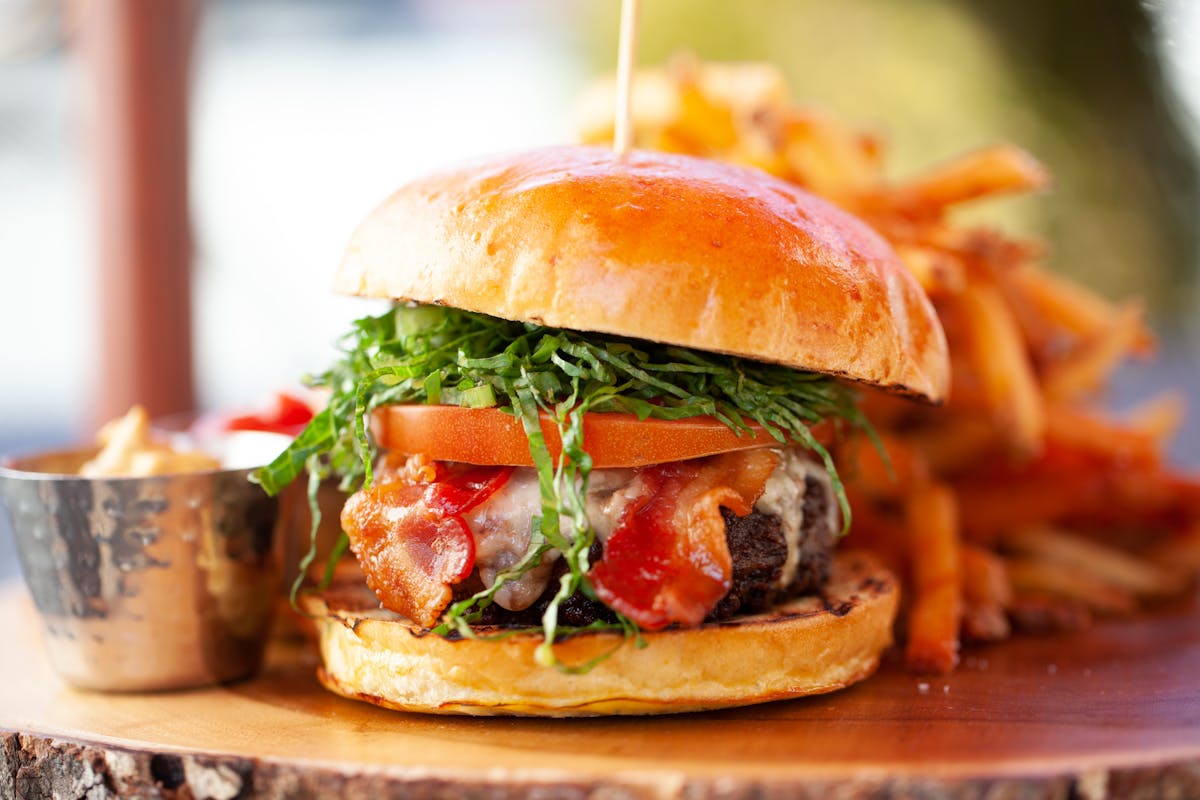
column 810, row 645
column 669, row 248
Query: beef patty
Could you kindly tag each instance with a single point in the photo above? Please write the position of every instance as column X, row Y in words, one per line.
column 759, row 551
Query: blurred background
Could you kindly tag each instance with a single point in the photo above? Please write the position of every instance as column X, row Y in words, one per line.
column 295, row 118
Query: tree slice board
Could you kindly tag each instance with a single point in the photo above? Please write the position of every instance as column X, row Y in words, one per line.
column 1109, row 712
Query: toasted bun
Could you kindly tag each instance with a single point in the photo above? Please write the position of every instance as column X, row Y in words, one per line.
column 809, row 646
column 669, row 248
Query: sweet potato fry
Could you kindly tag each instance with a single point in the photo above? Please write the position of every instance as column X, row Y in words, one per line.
column 1042, row 613
column 1159, row 417
column 1085, row 369
column 985, row 579
column 1019, row 456
column 879, row 527
column 1033, row 575
column 992, row 506
column 1079, row 556
column 957, row 442
column 888, row 475
column 987, row 591
column 1069, row 306
column 931, row 517
column 1081, row 429
column 826, row 157
column 981, row 173
column 1180, row 554
column 998, row 357
column 938, row 271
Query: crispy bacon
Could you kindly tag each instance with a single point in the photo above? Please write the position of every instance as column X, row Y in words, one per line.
column 668, row 561
column 409, row 536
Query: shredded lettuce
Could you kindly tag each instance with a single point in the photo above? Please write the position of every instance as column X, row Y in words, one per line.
column 437, row 355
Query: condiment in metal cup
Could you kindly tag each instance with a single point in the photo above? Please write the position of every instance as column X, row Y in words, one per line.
column 145, row 583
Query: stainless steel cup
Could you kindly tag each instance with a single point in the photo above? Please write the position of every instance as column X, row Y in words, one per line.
column 148, row 583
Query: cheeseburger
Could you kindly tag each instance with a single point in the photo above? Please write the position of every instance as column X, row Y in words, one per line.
column 587, row 445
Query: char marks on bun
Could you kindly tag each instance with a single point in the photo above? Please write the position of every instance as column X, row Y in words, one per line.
column 809, row 645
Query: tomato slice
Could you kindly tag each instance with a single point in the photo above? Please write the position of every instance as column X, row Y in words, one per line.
column 489, row 436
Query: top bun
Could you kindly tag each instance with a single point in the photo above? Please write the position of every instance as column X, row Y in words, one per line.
column 671, row 248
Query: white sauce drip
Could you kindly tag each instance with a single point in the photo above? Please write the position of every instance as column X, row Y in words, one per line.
column 783, row 496
column 502, row 527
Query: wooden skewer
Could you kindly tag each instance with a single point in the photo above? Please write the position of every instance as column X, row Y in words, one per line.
column 627, row 49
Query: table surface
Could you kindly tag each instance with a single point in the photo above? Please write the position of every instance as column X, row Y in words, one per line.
column 1118, row 703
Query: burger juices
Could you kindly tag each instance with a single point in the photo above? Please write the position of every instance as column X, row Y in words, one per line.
column 595, row 410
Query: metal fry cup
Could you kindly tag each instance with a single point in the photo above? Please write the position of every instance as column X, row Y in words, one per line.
column 145, row 583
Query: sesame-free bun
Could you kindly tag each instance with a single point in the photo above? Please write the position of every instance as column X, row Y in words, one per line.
column 811, row 645
column 669, row 248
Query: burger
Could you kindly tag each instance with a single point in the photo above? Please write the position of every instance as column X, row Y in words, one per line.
column 587, row 446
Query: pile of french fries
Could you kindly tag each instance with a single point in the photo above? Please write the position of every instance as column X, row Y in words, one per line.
column 1020, row 503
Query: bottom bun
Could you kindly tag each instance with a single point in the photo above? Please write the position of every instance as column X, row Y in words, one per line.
column 809, row 645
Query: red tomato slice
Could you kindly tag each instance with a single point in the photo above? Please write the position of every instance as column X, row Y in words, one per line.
column 489, row 436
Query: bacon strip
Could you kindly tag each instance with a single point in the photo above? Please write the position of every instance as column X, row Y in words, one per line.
column 409, row 536
column 668, row 561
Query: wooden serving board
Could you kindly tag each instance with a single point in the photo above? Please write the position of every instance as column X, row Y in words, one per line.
column 1111, row 712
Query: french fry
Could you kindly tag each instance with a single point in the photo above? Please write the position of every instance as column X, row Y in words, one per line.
column 990, row 254
column 888, row 475
column 708, row 125
column 990, row 510
column 876, row 528
column 1075, row 486
column 1070, row 306
column 1150, row 496
column 931, row 518
column 827, row 158
column 1042, row 613
column 1016, row 458
column 937, row 271
column 1030, row 574
column 1180, row 554
column 1074, row 427
column 1159, row 417
column 985, row 579
column 1076, row 555
column 745, row 86
column 1086, row 369
column 957, row 442
column 987, row 591
column 985, row 622
column 985, row 172
column 997, row 354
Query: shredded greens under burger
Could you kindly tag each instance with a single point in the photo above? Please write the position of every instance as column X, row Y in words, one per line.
column 437, row 355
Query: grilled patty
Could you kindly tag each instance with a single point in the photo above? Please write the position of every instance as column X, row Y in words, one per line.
column 759, row 550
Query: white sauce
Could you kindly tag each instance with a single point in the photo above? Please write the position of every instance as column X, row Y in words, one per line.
column 502, row 527
column 783, row 496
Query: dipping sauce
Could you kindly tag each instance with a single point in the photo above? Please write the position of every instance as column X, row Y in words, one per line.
column 129, row 449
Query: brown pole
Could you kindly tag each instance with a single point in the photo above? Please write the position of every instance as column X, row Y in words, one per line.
column 136, row 53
